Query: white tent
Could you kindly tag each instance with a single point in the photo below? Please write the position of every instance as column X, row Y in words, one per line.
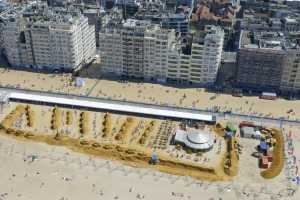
column 195, row 139
column 79, row 82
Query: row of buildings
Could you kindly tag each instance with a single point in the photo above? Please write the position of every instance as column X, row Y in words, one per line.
column 161, row 41
column 55, row 39
column 140, row 49
column 268, row 55
column 268, row 61
column 64, row 38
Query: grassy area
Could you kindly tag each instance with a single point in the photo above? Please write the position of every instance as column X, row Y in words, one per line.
column 124, row 131
column 146, row 134
column 29, row 116
column 69, row 117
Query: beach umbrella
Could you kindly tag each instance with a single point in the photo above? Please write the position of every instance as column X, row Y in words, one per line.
column 290, row 134
column 154, row 158
column 297, row 180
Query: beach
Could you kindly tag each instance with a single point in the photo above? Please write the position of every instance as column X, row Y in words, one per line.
column 33, row 170
column 196, row 98
column 57, row 173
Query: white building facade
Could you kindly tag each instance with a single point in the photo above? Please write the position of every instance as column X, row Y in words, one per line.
column 206, row 57
column 141, row 50
column 202, row 64
column 110, row 44
column 58, row 42
column 157, row 41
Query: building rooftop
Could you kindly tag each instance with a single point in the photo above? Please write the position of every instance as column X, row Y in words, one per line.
column 215, row 10
column 195, row 139
column 40, row 13
column 133, row 23
column 268, row 40
column 210, row 33
column 289, row 20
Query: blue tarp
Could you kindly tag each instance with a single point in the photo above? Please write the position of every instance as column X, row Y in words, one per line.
column 154, row 157
column 263, row 146
column 228, row 134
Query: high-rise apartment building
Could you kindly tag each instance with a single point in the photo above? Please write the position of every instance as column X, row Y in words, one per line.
column 206, row 56
column 110, row 43
column 157, row 41
column 133, row 47
column 268, row 61
column 200, row 63
column 178, row 64
column 53, row 39
column 141, row 50
column 290, row 80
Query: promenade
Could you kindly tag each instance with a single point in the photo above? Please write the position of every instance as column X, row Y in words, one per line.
column 209, row 115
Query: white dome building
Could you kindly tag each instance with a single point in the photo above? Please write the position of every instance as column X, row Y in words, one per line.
column 195, row 139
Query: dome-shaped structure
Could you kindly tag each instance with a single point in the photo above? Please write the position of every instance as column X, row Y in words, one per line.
column 195, row 139
column 198, row 137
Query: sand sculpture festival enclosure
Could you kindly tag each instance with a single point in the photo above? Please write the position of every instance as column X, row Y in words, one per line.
column 127, row 139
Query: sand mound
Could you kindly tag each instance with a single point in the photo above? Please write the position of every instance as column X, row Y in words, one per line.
column 278, row 157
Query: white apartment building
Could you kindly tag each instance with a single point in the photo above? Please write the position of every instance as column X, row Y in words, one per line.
column 206, row 56
column 157, row 41
column 178, row 64
column 55, row 41
column 110, row 43
column 141, row 50
column 291, row 24
column 201, row 65
column 135, row 49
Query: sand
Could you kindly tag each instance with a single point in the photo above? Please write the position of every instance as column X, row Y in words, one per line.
column 64, row 173
column 205, row 167
column 152, row 93
column 59, row 173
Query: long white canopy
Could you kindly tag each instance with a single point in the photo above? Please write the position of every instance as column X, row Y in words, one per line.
column 109, row 105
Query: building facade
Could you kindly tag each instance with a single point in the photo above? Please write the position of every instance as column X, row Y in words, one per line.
column 260, row 68
column 140, row 50
column 290, row 81
column 268, row 61
column 156, row 45
column 133, row 48
column 59, row 40
column 200, row 63
column 110, row 44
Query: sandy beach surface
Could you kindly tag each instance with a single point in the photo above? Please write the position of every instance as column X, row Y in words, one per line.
column 152, row 93
column 38, row 171
column 32, row 171
column 58, row 173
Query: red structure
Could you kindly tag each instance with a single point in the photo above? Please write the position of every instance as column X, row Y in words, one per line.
column 263, row 162
column 270, row 155
column 268, row 96
column 245, row 123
